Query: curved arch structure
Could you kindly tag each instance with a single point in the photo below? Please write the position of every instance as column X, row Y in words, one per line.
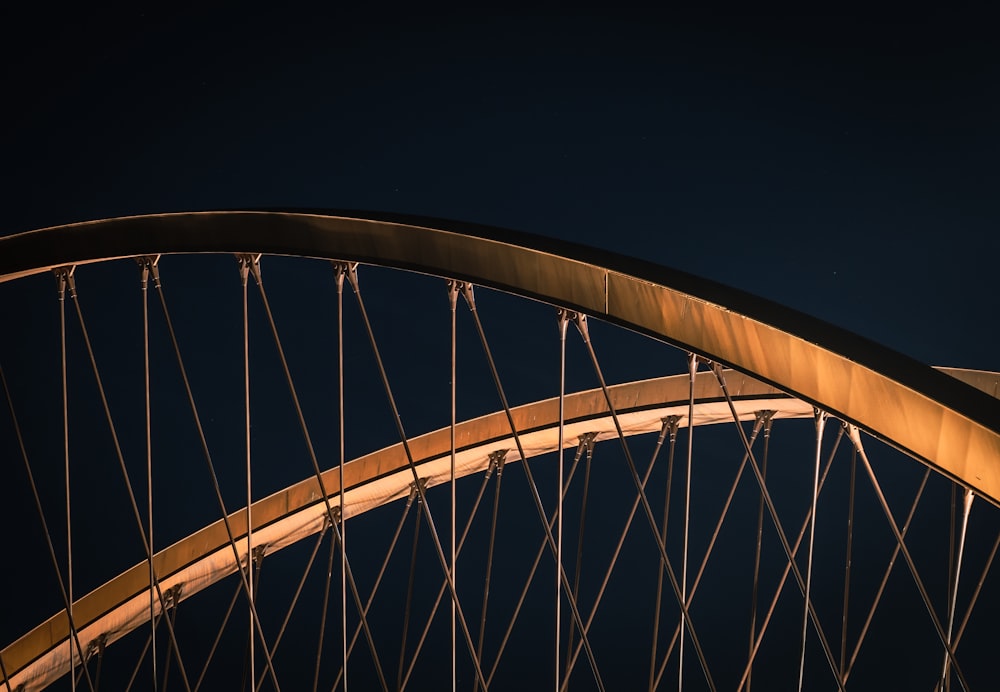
column 932, row 416
column 945, row 423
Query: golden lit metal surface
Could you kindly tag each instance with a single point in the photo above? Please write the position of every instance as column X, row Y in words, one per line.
column 938, row 419
column 954, row 428
column 203, row 558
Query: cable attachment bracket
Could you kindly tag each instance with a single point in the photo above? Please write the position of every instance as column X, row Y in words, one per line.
column 764, row 417
column 65, row 280
column 586, row 442
column 670, row 426
column 497, row 460
column 172, row 596
column 417, row 491
column 249, row 264
column 149, row 268
column 342, row 270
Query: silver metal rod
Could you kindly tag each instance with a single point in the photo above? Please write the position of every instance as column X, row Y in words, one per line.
column 244, row 275
column 340, row 273
column 442, row 560
column 692, row 372
column 647, row 509
column 856, row 438
column 144, row 273
column 121, row 464
column 453, row 304
column 820, row 425
column 966, row 508
column 563, row 323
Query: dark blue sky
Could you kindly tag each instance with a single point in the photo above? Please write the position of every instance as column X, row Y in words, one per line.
column 841, row 165
column 844, row 165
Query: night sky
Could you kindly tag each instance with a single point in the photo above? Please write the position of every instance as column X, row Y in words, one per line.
column 841, row 165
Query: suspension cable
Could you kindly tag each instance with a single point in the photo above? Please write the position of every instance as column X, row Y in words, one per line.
column 295, row 600
column 74, row 634
column 563, row 323
column 244, row 263
column 444, row 583
column 64, row 277
column 669, row 425
column 847, row 564
column 820, row 425
column 581, row 324
column 453, row 304
column 767, row 417
column 617, row 551
column 539, row 507
column 339, row 271
column 966, row 508
column 353, row 278
column 717, row 369
column 497, row 462
column 378, row 582
column 692, row 372
column 856, row 438
column 144, row 280
column 247, row 588
column 708, row 550
column 550, row 523
column 788, row 568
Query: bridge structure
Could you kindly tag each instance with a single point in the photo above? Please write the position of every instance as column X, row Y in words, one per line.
column 566, row 529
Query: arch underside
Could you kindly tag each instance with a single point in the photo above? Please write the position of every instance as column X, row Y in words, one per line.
column 933, row 417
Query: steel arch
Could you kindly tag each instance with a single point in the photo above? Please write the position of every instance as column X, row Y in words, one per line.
column 929, row 415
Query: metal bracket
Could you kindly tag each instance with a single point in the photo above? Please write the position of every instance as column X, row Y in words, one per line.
column 670, row 425
column 497, row 460
column 765, row 418
column 96, row 646
column 172, row 596
column 258, row 554
column 586, row 441
column 149, row 267
column 64, row 280
column 470, row 297
column 249, row 264
column 342, row 270
column 415, row 491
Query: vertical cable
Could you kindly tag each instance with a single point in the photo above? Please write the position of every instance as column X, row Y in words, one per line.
column 669, row 425
column 847, row 565
column 339, row 274
column 692, row 372
column 244, row 276
column 766, row 417
column 453, row 302
column 62, row 278
column 966, row 508
column 820, row 425
column 563, row 323
column 144, row 270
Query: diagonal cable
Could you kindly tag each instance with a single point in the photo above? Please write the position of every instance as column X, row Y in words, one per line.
column 551, row 521
column 353, row 278
column 581, row 324
column 470, row 301
column 378, row 582
column 617, row 551
column 717, row 369
column 74, row 634
column 121, row 463
column 335, row 521
column 711, row 547
column 444, row 584
column 208, row 460
column 856, row 438
column 788, row 566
